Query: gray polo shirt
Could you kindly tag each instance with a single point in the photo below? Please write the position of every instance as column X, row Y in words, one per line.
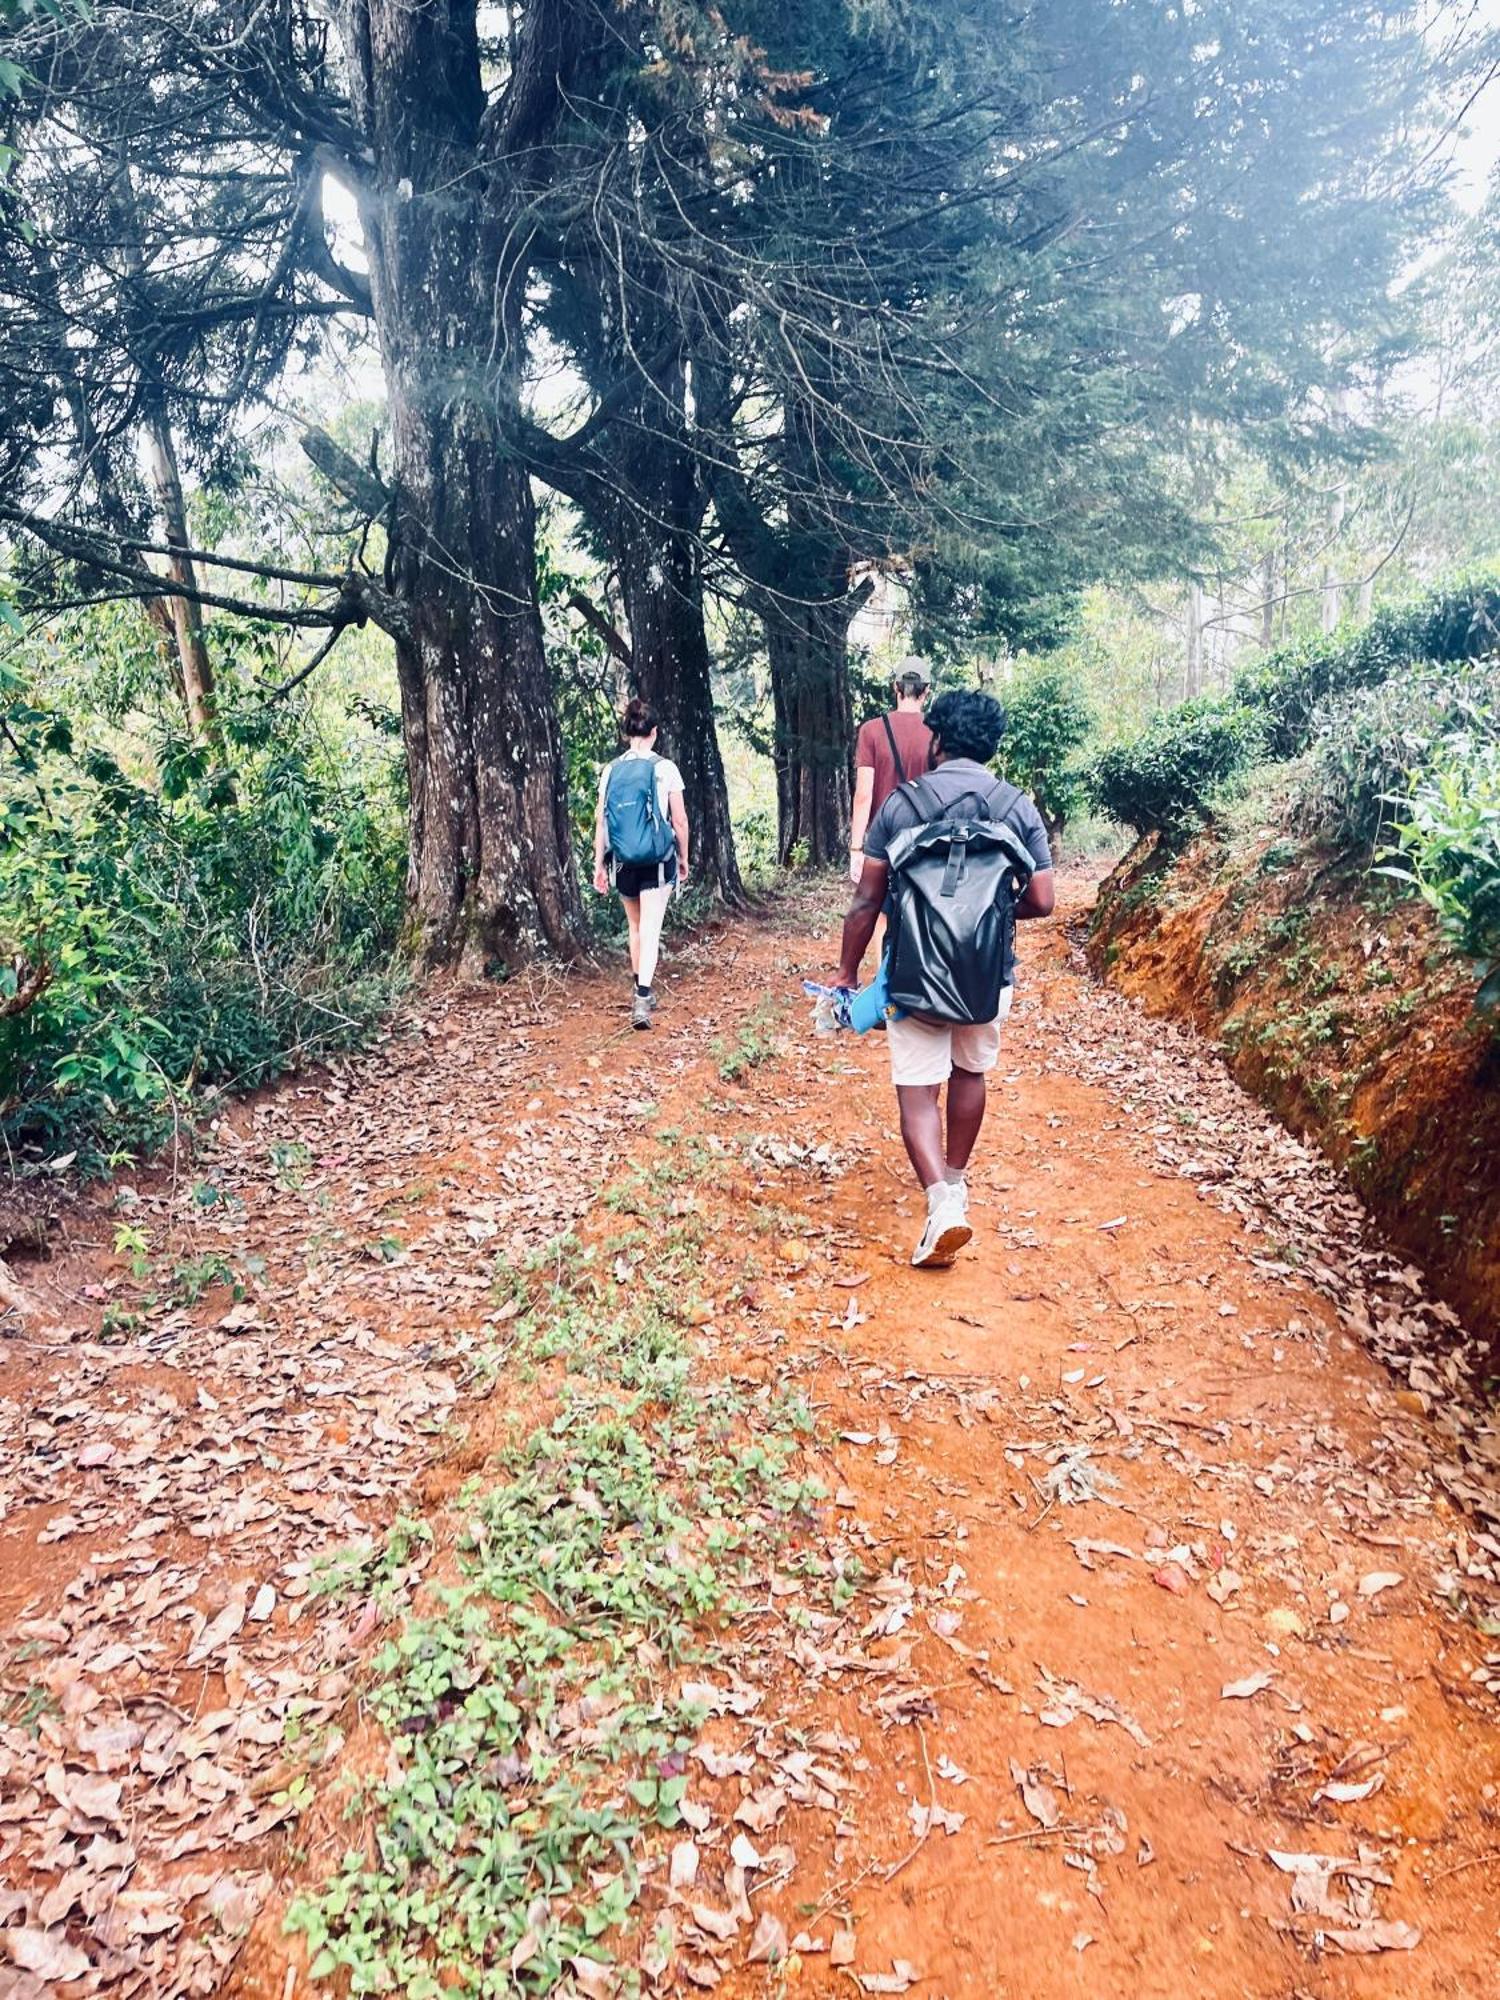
column 948, row 783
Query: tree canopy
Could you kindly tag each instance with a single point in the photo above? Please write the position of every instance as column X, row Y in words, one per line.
column 833, row 288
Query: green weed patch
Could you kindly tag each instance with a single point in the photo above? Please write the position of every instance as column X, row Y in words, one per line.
column 533, row 1741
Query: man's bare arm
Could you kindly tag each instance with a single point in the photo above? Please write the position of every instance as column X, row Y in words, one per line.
column 859, row 924
column 859, row 817
column 1039, row 897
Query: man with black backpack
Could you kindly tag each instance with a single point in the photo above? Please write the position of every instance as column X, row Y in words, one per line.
column 962, row 854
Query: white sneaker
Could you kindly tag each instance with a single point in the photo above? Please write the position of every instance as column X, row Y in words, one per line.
column 947, row 1229
column 961, row 1188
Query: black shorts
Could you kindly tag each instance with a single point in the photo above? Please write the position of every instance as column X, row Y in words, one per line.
column 633, row 876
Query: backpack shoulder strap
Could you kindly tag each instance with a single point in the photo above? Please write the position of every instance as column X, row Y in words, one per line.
column 890, row 737
column 1001, row 802
column 922, row 796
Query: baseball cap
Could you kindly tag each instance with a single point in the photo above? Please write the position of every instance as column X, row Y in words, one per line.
column 914, row 667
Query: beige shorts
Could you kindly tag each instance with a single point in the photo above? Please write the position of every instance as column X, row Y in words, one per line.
column 929, row 1052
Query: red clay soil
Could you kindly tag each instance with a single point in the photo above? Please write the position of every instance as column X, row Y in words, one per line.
column 1351, row 1020
column 1170, row 1585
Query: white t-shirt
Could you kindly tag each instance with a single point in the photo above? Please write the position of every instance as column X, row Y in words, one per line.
column 668, row 781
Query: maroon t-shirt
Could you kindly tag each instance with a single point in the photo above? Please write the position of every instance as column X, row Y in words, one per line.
column 872, row 752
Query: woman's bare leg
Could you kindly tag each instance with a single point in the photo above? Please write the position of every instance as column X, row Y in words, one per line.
column 653, row 912
column 633, row 919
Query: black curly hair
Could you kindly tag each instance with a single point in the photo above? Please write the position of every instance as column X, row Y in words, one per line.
column 966, row 723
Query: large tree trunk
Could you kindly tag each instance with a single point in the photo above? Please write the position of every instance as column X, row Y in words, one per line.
column 492, row 875
column 1268, row 598
column 1192, row 680
column 807, row 645
column 194, row 669
column 655, row 544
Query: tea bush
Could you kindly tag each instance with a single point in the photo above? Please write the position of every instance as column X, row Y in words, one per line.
column 1047, row 722
column 1287, row 689
column 1165, row 781
column 1297, row 696
column 1450, row 849
column 1367, row 749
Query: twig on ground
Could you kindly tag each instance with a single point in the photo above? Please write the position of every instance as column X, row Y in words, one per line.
column 1458, row 1867
column 1034, row 1833
column 896, row 1866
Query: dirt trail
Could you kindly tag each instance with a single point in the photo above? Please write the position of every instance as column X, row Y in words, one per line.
column 1160, row 1573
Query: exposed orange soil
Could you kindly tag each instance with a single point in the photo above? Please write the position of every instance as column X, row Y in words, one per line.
column 1132, row 1297
column 1353, row 1022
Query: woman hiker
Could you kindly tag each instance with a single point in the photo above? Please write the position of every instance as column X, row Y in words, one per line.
column 641, row 844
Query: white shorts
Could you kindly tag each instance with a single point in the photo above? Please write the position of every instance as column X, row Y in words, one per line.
column 930, row 1051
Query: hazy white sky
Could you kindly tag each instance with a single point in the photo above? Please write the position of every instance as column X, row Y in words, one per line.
column 1477, row 148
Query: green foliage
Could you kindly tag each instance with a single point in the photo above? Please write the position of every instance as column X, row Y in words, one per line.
column 758, row 1041
column 1165, row 781
column 531, row 1746
column 196, row 926
column 1369, row 747
column 755, row 845
column 1450, row 841
column 1048, row 721
column 1459, row 620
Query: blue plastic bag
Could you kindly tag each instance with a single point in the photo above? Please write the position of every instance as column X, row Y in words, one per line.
column 836, row 1007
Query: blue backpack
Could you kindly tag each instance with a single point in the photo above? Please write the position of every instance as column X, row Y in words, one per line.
column 633, row 826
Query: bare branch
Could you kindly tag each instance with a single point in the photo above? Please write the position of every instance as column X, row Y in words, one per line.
column 593, row 617
column 346, row 475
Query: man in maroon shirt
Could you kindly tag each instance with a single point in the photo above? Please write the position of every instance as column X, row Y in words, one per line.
column 888, row 750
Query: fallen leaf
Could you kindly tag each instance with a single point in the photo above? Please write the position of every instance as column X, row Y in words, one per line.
column 762, row 1809
column 768, row 1946
column 86, row 1797
column 1252, row 1684
column 594, row 1978
column 1038, row 1797
column 1379, row 1934
column 217, row 1632
column 46, row 1953
column 684, row 1865
column 900, row 1979
column 1378, row 1580
column 1343, row 1794
column 1071, row 1699
column 1222, row 1585
column 111, row 1745
column 720, row 1924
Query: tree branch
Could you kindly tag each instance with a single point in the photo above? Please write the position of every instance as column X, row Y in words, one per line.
column 320, row 260
column 346, row 475
column 360, row 598
column 593, row 617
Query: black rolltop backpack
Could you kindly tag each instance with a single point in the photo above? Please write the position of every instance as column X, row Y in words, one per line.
column 955, row 880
